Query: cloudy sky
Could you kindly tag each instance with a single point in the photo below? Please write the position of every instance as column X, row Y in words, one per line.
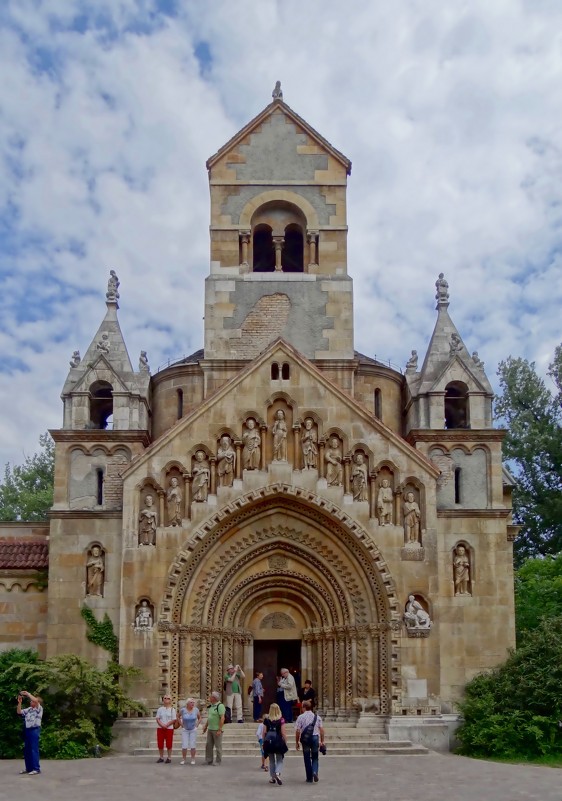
column 451, row 113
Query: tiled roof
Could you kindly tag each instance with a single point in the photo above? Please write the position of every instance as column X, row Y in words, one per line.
column 24, row 554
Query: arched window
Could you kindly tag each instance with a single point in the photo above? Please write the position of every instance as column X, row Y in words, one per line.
column 99, row 487
column 458, row 485
column 264, row 253
column 456, row 405
column 101, row 404
column 292, row 255
column 274, row 371
column 180, row 404
column 378, row 404
column 285, row 371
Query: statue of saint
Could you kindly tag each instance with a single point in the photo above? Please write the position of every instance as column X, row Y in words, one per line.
column 359, row 478
column 442, row 287
column 279, row 437
column 277, row 93
column 309, row 444
column 251, row 451
column 103, row 344
column 174, row 498
column 412, row 518
column 95, row 569
column 385, row 502
column 333, row 459
column 143, row 618
column 412, row 363
column 415, row 615
column 477, row 360
column 201, row 474
column 455, row 344
column 148, row 523
column 226, row 458
column 75, row 360
column 143, row 362
column 461, row 567
column 112, row 293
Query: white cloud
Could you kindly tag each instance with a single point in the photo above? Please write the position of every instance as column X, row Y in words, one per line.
column 450, row 114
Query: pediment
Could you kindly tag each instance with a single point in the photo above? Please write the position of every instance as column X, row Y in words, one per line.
column 457, row 370
column 100, row 370
column 252, row 392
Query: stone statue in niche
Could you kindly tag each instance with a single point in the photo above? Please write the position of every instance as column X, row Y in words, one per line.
column 174, row 498
column 251, row 452
column 333, row 459
column 415, row 616
column 359, row 478
column 112, row 287
column 148, row 522
column 309, row 444
column 412, row 520
column 226, row 458
column 461, row 568
column 200, row 477
column 385, row 503
column 75, row 360
column 103, row 344
column 412, row 363
column 95, row 570
column 279, row 437
column 143, row 617
column 143, row 362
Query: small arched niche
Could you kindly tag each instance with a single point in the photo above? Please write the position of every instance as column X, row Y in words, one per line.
column 262, row 248
column 278, row 236
column 456, row 405
column 101, row 404
column 292, row 255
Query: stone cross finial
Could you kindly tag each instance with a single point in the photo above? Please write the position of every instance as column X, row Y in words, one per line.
column 442, row 287
column 277, row 93
column 112, row 293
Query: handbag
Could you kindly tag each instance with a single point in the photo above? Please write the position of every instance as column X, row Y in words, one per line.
column 177, row 724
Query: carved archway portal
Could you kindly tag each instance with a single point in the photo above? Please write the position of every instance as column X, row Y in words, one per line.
column 278, row 557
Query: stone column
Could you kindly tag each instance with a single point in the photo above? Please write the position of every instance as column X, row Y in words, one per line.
column 321, row 463
column 161, row 507
column 346, row 474
column 296, row 447
column 187, row 494
column 372, row 495
column 312, row 258
column 213, row 466
column 278, row 242
column 263, row 432
column 238, row 448
column 244, row 240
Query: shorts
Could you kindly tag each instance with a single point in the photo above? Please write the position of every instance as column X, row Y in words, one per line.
column 164, row 736
column 188, row 739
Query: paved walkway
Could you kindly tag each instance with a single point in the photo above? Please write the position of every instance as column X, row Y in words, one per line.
column 435, row 777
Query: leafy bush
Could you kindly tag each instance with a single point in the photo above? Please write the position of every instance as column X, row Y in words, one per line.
column 514, row 710
column 80, row 702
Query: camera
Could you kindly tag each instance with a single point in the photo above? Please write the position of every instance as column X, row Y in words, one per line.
column 323, row 749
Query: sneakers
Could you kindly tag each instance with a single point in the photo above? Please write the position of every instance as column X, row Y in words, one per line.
column 183, row 762
column 272, row 781
column 23, row 773
column 315, row 777
column 192, row 762
column 168, row 761
column 34, row 773
column 160, row 759
column 278, row 779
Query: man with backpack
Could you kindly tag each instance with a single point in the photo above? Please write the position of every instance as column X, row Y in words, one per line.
column 213, row 728
column 309, row 732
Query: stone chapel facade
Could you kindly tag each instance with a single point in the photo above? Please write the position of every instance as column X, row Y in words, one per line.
column 278, row 499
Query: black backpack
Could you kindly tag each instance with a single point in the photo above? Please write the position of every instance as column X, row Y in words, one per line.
column 308, row 732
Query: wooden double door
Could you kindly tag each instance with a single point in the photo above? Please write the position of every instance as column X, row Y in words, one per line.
column 270, row 656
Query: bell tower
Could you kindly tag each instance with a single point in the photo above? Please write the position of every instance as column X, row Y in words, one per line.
column 278, row 241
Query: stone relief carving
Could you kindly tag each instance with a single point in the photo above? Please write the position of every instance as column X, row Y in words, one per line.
column 75, row 359
column 415, row 617
column 174, row 498
column 455, row 344
column 226, row 459
column 278, row 562
column 461, row 570
column 95, row 571
column 277, row 620
column 143, row 362
column 148, row 522
column 333, row 458
column 201, row 475
column 359, row 478
column 385, row 503
column 309, row 444
column 112, row 293
column 279, row 437
column 442, row 287
column 251, row 452
column 144, row 619
column 103, row 344
column 412, row 363
column 412, row 521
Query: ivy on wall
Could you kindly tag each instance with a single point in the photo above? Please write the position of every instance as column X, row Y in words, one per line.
column 101, row 632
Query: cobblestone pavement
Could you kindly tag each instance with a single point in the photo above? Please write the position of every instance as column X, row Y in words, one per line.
column 436, row 777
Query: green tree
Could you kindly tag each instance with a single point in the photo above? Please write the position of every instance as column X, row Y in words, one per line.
column 27, row 490
column 538, row 593
column 532, row 414
column 11, row 742
column 514, row 710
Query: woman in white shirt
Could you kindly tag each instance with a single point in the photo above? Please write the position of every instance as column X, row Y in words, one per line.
column 165, row 718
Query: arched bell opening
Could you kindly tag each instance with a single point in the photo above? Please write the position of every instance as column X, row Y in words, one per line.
column 456, row 405
column 263, row 250
column 101, row 405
